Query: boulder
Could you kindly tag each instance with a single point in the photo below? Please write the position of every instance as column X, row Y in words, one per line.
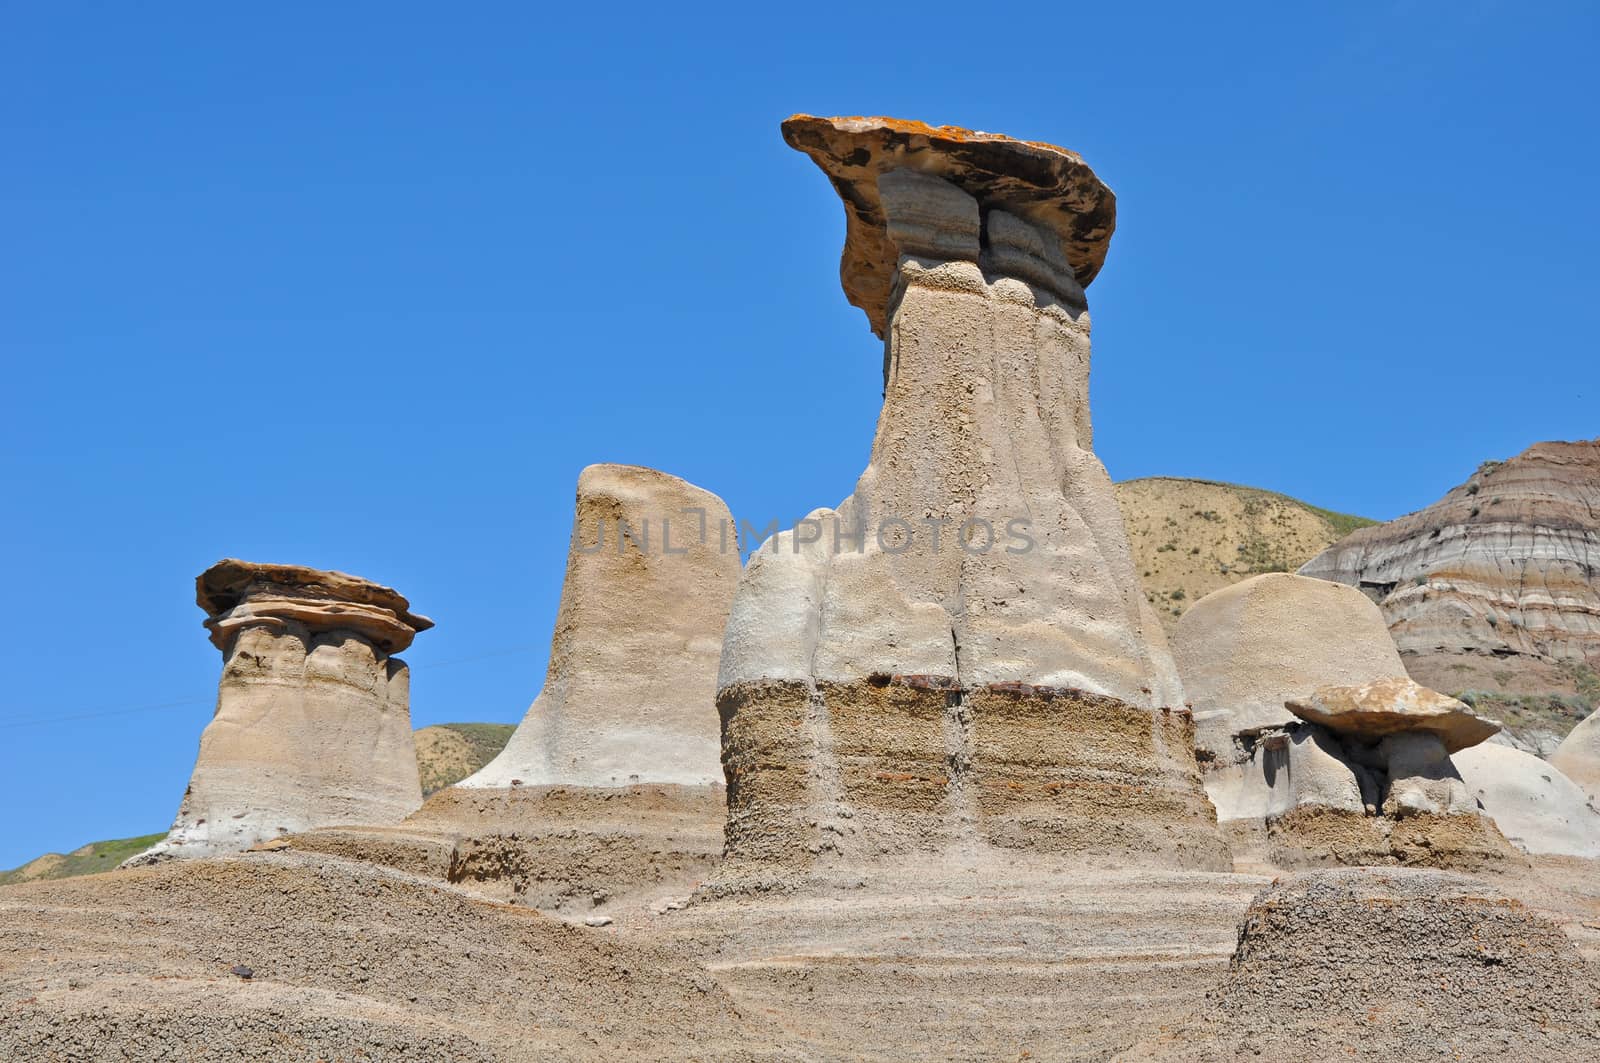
column 1246, row 649
column 1578, row 756
column 959, row 654
column 1536, row 807
column 313, row 720
column 1394, row 706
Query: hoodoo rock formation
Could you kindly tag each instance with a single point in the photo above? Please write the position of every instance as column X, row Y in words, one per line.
column 313, row 720
column 1363, row 776
column 616, row 771
column 627, row 698
column 1497, row 585
column 960, row 654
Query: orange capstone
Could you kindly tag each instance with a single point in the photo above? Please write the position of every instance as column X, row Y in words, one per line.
column 1049, row 186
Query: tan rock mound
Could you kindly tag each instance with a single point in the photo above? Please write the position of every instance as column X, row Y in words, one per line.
column 630, row 691
column 1536, row 807
column 612, row 785
column 291, row 957
column 1578, row 756
column 1392, row 965
column 1492, row 587
column 1245, row 650
column 959, row 655
column 1376, row 710
column 313, row 718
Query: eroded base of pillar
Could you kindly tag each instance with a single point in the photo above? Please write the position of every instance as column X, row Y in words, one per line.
column 1311, row 836
column 836, row 777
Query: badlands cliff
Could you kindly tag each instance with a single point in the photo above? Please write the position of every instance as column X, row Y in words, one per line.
column 1497, row 585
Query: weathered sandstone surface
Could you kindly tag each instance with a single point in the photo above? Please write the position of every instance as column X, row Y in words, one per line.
column 1497, row 585
column 1388, row 708
column 313, row 718
column 1245, row 650
column 1392, row 964
column 1578, row 756
column 1536, row 807
column 959, row 655
column 631, row 683
column 612, row 784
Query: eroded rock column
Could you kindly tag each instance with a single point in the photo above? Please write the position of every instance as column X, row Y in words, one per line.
column 960, row 655
column 313, row 720
column 613, row 781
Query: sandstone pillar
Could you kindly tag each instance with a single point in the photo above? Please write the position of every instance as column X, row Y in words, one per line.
column 631, row 684
column 612, row 783
column 960, row 654
column 313, row 720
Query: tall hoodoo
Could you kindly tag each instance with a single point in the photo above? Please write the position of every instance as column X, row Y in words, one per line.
column 960, row 653
column 313, row 719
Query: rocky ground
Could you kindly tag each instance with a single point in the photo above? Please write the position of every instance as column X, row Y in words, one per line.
column 309, row 956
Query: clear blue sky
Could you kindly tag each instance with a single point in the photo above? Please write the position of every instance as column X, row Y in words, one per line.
column 364, row 286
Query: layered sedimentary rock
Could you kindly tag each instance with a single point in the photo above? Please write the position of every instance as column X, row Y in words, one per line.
column 613, row 781
column 1245, row 650
column 1393, row 964
column 313, row 718
column 1578, row 756
column 1497, row 585
column 959, row 654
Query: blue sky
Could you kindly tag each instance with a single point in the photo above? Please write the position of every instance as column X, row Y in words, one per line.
column 364, row 286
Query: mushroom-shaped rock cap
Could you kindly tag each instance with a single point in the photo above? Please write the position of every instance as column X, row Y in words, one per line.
column 1394, row 706
column 1049, row 186
column 234, row 592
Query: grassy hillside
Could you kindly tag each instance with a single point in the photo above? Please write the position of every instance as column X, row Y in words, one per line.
column 446, row 753
column 1191, row 537
column 96, row 856
column 449, row 752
